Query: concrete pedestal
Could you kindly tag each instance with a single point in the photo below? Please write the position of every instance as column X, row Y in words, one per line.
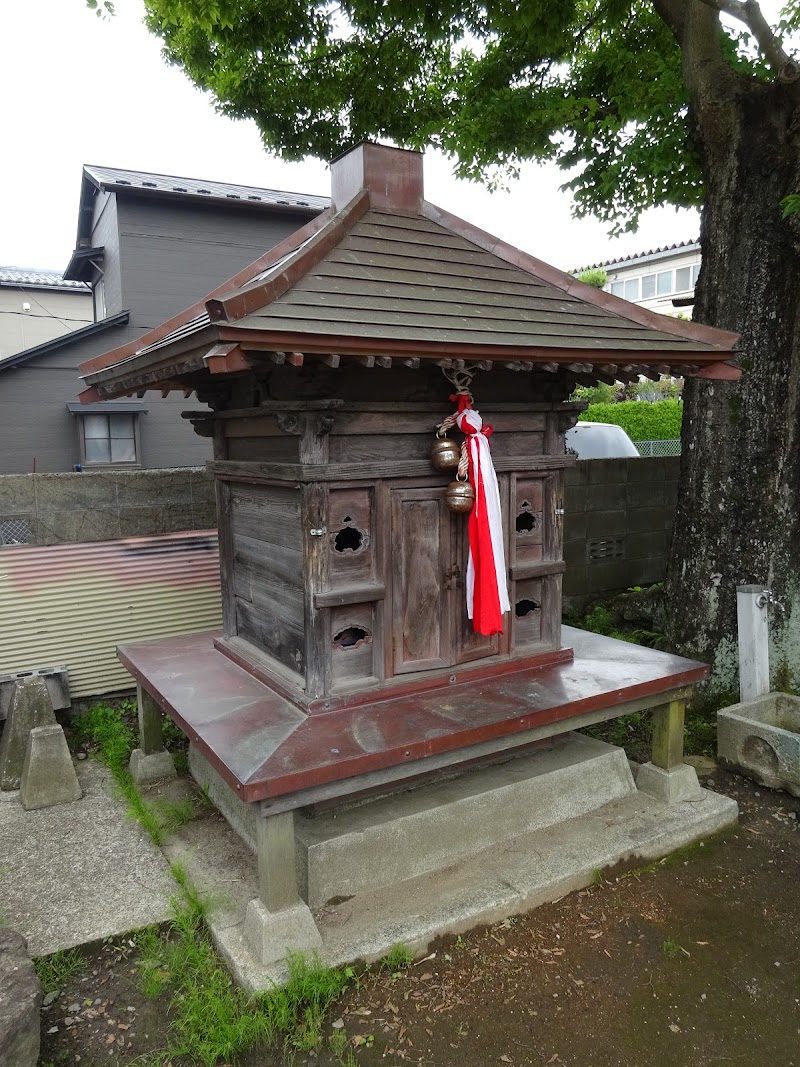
column 48, row 774
column 672, row 786
column 269, row 935
column 151, row 768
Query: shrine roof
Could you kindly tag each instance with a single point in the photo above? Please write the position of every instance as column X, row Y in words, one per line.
column 392, row 274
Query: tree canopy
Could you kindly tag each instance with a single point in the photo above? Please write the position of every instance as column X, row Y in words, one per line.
column 595, row 84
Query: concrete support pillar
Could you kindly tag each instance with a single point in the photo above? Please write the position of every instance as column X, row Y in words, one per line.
column 150, row 762
column 666, row 777
column 278, row 921
column 752, row 604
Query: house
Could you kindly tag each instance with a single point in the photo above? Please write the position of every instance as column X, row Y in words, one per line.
column 147, row 244
column 38, row 305
column 662, row 279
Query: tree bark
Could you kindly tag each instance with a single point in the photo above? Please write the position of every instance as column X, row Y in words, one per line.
column 738, row 515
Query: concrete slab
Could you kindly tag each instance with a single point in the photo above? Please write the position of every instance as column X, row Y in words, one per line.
column 507, row 879
column 79, row 872
column 383, row 842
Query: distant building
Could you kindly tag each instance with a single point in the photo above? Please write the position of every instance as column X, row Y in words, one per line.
column 147, row 245
column 38, row 305
column 662, row 279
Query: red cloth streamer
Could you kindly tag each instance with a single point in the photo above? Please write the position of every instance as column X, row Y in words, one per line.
column 487, row 591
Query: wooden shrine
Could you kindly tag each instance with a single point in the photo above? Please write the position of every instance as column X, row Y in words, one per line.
column 347, row 661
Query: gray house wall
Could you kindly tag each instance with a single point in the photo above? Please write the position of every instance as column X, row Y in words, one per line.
column 38, row 432
column 172, row 253
column 161, row 256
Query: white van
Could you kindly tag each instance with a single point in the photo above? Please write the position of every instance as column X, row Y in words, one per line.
column 599, row 440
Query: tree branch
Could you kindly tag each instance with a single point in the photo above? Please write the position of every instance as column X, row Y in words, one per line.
column 749, row 13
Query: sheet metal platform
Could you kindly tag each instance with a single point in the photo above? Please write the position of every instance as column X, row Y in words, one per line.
column 265, row 747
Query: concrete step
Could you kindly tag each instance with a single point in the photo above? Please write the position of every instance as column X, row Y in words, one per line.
column 429, row 828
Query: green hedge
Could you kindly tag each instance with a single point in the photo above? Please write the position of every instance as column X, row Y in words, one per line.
column 641, row 420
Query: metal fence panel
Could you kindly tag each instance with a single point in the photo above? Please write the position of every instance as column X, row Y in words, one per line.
column 659, row 448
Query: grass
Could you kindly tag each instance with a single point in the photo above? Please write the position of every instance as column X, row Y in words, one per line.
column 107, row 729
column 398, row 957
column 57, row 970
column 672, row 950
column 211, row 1020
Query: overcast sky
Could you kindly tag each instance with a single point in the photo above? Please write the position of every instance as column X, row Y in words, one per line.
column 77, row 89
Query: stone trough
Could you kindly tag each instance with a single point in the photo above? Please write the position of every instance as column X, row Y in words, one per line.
column 761, row 738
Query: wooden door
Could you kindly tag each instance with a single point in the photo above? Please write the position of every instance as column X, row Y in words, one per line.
column 467, row 645
column 421, row 559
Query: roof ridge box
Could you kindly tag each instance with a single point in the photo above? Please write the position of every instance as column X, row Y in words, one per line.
column 392, row 177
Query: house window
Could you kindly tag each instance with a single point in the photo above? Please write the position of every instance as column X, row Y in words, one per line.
column 664, row 282
column 108, row 433
column 99, row 297
column 618, row 288
column 109, row 439
column 632, row 289
column 683, row 279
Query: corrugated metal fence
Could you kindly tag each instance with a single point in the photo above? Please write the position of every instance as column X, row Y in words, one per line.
column 72, row 604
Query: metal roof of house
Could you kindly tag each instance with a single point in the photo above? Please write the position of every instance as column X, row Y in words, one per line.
column 393, row 275
column 644, row 257
column 36, row 278
column 148, row 182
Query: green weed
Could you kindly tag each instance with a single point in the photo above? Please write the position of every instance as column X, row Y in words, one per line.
column 58, row 969
column 672, row 950
column 398, row 957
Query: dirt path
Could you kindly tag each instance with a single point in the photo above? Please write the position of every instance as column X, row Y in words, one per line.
column 694, row 962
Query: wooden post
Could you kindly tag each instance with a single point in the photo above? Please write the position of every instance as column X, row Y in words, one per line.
column 150, row 735
column 277, row 881
column 667, row 743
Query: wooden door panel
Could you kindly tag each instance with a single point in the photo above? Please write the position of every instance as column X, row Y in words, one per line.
column 467, row 644
column 420, row 548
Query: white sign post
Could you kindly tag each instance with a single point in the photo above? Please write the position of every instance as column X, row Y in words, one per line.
column 752, row 604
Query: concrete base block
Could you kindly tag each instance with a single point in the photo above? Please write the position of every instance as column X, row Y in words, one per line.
column 673, row 786
column 242, row 817
column 145, row 769
column 271, row 934
column 410, row 833
column 48, row 774
column 30, row 707
column 761, row 739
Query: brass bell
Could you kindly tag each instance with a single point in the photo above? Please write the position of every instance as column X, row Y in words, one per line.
column 460, row 496
column 444, row 454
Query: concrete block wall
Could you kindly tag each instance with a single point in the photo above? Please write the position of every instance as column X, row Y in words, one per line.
column 617, row 524
column 50, row 509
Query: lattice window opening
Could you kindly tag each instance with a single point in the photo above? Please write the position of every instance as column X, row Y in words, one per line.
column 526, row 607
column 351, row 637
column 602, row 549
column 349, row 539
column 527, row 521
column 15, row 532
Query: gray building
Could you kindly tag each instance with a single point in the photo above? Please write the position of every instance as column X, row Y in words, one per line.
column 38, row 305
column 147, row 245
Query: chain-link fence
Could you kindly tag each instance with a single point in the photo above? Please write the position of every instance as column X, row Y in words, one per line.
column 659, row 448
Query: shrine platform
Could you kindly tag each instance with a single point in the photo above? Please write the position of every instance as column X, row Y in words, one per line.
column 266, row 748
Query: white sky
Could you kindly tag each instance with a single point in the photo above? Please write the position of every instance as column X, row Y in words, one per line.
column 77, row 89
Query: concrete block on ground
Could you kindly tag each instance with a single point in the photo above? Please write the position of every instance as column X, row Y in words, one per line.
column 30, row 707
column 55, row 678
column 48, row 774
column 410, row 833
column 269, row 935
column 761, row 739
column 20, row 1003
column 673, row 787
column 153, row 768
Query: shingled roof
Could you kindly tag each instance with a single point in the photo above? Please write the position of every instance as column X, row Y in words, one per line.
column 385, row 274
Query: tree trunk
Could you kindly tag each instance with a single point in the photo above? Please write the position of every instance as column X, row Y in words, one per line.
column 738, row 515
